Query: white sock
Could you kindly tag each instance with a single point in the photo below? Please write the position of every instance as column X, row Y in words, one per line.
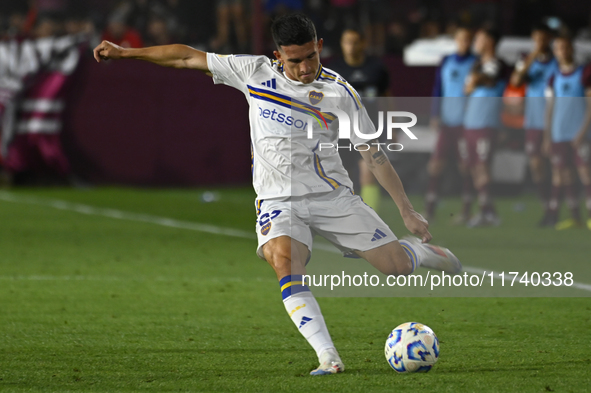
column 304, row 311
column 415, row 252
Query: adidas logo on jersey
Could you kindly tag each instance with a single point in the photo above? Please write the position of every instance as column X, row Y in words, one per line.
column 271, row 83
column 304, row 321
column 378, row 235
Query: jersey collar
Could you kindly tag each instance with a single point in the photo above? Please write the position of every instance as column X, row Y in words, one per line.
column 463, row 57
column 318, row 73
column 291, row 80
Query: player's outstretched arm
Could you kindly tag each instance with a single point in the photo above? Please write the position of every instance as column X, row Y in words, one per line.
column 176, row 55
column 386, row 175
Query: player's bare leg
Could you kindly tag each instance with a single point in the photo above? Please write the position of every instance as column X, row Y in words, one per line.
column 237, row 12
column 288, row 258
column 585, row 177
column 487, row 216
column 555, row 194
column 403, row 257
column 567, row 182
column 538, row 175
column 223, row 28
column 435, row 169
column 467, row 195
column 389, row 259
column 370, row 188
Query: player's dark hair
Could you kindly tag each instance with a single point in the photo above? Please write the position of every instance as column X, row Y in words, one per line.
column 48, row 17
column 543, row 27
column 293, row 29
column 492, row 32
column 355, row 30
column 565, row 35
column 464, row 26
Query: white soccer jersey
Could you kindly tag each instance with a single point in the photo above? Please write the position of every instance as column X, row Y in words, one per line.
column 284, row 161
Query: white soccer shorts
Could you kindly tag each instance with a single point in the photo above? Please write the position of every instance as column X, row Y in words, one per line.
column 339, row 216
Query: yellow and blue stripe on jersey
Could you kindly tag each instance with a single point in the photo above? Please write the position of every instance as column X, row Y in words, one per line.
column 320, row 171
column 318, row 72
column 327, row 75
column 291, row 103
column 333, row 183
column 278, row 64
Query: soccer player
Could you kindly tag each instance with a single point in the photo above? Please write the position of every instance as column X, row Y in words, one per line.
column 568, row 137
column 535, row 70
column 369, row 77
column 484, row 87
column 447, row 118
column 301, row 189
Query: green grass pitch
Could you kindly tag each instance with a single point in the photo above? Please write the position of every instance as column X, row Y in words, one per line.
column 101, row 303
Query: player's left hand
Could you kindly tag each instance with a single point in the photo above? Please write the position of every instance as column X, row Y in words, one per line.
column 417, row 225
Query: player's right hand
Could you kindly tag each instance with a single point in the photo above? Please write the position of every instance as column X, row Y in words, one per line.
column 107, row 50
column 417, row 225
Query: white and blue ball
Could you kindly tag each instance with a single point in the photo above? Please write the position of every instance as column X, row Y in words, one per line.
column 412, row 348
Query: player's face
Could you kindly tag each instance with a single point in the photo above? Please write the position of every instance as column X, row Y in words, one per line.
column 463, row 39
column 563, row 50
column 480, row 42
column 301, row 62
column 351, row 44
column 541, row 40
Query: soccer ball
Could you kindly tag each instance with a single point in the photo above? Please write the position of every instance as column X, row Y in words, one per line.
column 412, row 348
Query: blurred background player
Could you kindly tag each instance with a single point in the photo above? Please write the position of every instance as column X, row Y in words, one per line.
column 32, row 107
column 230, row 13
column 447, row 118
column 120, row 33
column 369, row 76
column 568, row 138
column 484, row 87
column 535, row 71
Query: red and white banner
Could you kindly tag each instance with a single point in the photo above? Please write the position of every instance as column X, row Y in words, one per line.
column 33, row 76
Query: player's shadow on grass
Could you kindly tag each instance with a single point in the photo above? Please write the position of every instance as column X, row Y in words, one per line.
column 386, row 370
column 245, row 351
column 538, row 366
